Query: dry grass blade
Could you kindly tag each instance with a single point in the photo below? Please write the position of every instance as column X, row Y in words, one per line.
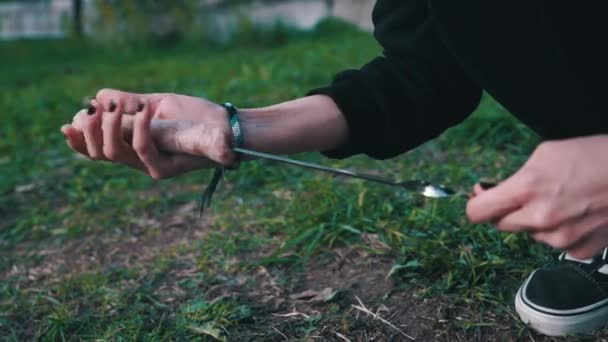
column 293, row 313
column 342, row 337
column 361, row 307
column 280, row 333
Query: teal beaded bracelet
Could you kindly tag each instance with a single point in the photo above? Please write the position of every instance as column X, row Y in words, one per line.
column 237, row 134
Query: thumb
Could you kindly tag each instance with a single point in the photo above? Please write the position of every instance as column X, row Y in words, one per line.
column 193, row 138
column 165, row 134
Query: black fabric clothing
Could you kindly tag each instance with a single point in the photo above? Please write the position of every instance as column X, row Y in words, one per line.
column 543, row 60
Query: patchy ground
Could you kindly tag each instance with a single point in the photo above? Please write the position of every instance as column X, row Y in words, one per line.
column 344, row 295
column 94, row 251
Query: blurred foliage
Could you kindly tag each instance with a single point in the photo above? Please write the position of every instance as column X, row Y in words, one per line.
column 136, row 20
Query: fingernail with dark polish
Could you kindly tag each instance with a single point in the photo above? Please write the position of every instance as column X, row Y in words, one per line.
column 112, row 106
column 91, row 109
column 487, row 185
column 140, row 106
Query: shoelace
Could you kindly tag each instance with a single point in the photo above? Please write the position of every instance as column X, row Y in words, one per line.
column 207, row 194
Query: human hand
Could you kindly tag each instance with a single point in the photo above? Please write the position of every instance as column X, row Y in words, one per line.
column 559, row 197
column 143, row 143
column 216, row 132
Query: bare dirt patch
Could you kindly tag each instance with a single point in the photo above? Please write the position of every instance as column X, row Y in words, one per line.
column 333, row 288
column 324, row 300
column 147, row 237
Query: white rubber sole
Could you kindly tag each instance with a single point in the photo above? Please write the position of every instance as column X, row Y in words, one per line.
column 560, row 325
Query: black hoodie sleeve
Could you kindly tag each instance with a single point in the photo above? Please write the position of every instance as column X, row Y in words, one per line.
column 410, row 94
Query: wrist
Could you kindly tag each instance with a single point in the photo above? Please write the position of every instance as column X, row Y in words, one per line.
column 312, row 123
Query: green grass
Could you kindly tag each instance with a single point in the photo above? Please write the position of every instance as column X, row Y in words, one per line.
column 62, row 216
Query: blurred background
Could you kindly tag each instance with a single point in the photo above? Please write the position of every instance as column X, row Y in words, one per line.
column 168, row 21
column 97, row 251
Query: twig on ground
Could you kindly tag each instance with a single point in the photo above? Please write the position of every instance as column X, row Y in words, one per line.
column 361, row 307
column 342, row 337
column 292, row 314
column 280, row 333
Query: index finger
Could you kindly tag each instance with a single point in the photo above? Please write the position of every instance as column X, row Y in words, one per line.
column 496, row 202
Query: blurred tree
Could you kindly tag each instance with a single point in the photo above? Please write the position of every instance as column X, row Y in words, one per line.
column 330, row 4
column 77, row 17
column 157, row 20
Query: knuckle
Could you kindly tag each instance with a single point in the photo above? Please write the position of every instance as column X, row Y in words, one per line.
column 544, row 148
column 94, row 155
column 79, row 120
column 166, row 102
column 169, row 101
column 546, row 217
column 111, row 153
column 529, row 178
column 162, row 110
column 528, row 182
column 561, row 240
column 131, row 105
column 104, row 93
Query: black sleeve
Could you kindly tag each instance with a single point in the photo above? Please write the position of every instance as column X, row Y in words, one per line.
column 411, row 94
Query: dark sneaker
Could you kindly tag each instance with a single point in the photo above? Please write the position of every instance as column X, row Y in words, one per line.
column 568, row 297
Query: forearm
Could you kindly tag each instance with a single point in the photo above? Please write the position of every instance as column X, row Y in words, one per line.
column 312, row 123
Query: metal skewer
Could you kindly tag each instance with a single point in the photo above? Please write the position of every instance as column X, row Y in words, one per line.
column 422, row 187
